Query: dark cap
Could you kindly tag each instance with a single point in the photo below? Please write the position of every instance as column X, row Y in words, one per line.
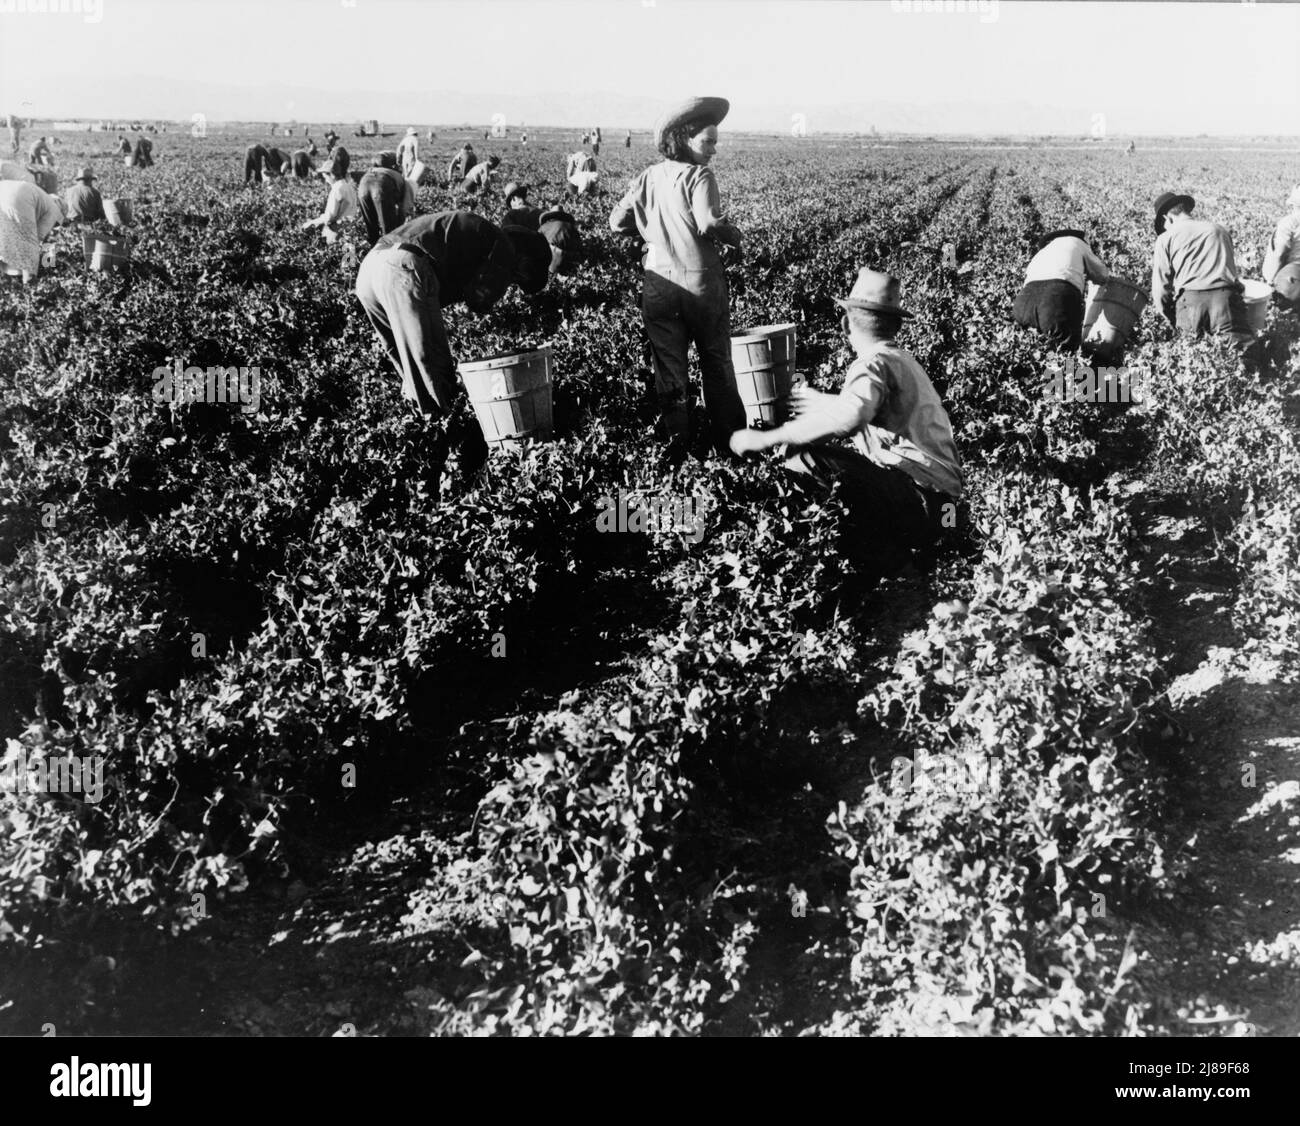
column 1165, row 201
column 532, row 258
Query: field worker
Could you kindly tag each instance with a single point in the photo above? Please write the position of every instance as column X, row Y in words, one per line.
column 331, row 139
column 415, row 272
column 277, row 163
column 560, row 229
column 580, row 173
column 1051, row 301
column 15, row 132
column 1194, row 279
column 1282, row 261
column 302, row 165
column 255, row 157
column 523, row 137
column 675, row 207
column 82, row 202
column 40, row 153
column 341, row 203
column 461, row 165
column 432, row 136
column 904, row 476
column 595, row 141
column 143, row 153
column 385, row 198
column 627, row 143
column 27, row 215
column 408, row 151
column 123, row 146
column 480, row 176
column 519, row 213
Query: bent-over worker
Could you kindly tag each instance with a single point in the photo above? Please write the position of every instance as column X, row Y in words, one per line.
column 1055, row 286
column 1194, row 279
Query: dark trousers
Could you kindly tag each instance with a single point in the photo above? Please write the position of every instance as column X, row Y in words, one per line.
column 682, row 307
column 1218, row 312
column 1054, row 308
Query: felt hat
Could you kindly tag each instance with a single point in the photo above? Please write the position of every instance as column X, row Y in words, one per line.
column 693, row 111
column 1051, row 236
column 875, row 291
column 86, row 174
column 516, row 189
column 1165, row 201
column 557, row 214
column 532, row 258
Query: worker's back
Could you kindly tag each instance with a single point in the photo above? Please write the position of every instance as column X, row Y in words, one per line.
column 379, row 197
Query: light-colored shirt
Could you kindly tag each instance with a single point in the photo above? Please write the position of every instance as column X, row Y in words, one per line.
column 27, row 215
column 675, row 206
column 407, row 152
column 902, row 423
column 479, row 176
column 342, row 201
column 1192, row 254
column 1067, row 259
column 1284, row 247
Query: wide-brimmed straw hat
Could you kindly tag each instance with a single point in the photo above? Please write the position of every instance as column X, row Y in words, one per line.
column 1165, row 201
column 1052, row 236
column 693, row 111
column 875, row 291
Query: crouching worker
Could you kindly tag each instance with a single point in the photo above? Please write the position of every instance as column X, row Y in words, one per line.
column 1282, row 260
column 1052, row 299
column 341, row 203
column 416, row 271
column 903, row 481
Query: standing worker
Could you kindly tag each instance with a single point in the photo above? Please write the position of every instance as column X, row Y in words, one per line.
column 1194, row 280
column 415, row 272
column 595, row 141
column 15, row 132
column 82, row 202
column 627, row 143
column 408, row 151
column 27, row 215
column 1052, row 298
column 385, row 197
column 1282, row 260
column 675, row 207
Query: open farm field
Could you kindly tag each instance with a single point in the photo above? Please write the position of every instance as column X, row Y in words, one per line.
column 407, row 763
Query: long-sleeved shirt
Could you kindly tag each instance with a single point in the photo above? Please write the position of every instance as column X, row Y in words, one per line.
column 302, row 164
column 901, row 421
column 83, row 202
column 1284, row 247
column 1067, row 259
column 1192, row 254
column 27, row 215
column 466, row 250
column 676, row 208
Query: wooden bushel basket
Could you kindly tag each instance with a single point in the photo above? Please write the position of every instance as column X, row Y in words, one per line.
column 511, row 396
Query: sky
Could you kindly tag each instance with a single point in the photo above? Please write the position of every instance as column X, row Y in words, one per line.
column 998, row 66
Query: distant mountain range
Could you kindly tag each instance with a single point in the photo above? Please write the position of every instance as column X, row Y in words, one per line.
column 63, row 96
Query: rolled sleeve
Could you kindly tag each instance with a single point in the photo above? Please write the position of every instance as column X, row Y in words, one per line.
column 706, row 203
column 1094, row 269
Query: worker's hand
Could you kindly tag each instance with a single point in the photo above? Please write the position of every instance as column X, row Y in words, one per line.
column 747, row 442
column 805, row 400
